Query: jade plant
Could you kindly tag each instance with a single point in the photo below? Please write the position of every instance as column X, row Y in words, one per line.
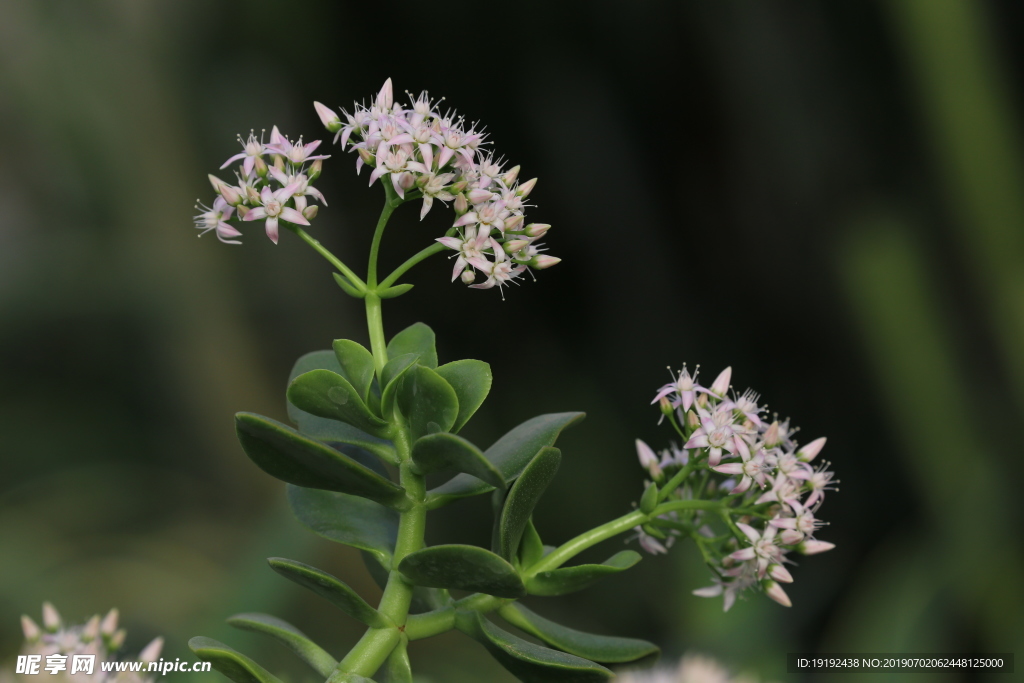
column 370, row 425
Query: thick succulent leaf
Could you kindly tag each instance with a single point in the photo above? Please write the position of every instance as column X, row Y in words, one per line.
column 328, row 586
column 606, row 649
column 509, row 454
column 418, row 339
column 523, row 497
column 465, row 567
column 283, row 452
column 424, row 599
column 471, row 380
column 528, row 662
column 391, row 380
column 351, row 520
column 294, row 639
column 232, row 664
column 327, row 394
column 443, row 451
column 531, row 548
column 350, row 678
column 356, row 365
column 427, row 401
column 570, row 579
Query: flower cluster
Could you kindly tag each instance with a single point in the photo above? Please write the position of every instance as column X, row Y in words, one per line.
column 427, row 154
column 274, row 192
column 692, row 668
column 757, row 481
column 99, row 637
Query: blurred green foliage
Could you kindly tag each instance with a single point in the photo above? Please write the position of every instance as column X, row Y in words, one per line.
column 826, row 196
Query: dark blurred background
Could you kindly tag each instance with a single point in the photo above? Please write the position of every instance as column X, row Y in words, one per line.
column 826, row 196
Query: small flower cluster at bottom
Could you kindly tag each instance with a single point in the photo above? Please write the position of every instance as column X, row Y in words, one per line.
column 691, row 669
column 762, row 491
column 62, row 646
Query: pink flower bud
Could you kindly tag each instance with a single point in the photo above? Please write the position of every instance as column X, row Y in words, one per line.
column 771, row 435
column 775, row 592
column 406, row 181
column 780, row 573
column 29, row 628
column 231, row 195
column 366, row 156
column 513, row 223
column 260, row 166
column 692, row 421
column 510, row 175
column 721, row 384
column 279, row 162
column 216, row 182
column 109, row 624
column 151, row 652
column 461, row 206
column 468, row 277
column 51, row 618
column 791, row 536
column 242, row 210
column 310, row 212
column 537, row 229
column 91, row 631
column 665, row 406
column 544, row 261
column 478, row 196
column 315, row 169
column 252, row 194
column 526, row 188
column 327, row 116
column 117, row 640
column 512, row 246
column 459, row 186
column 811, row 450
column 814, row 547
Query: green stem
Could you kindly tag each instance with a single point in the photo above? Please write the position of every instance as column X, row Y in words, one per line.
column 410, row 262
column 382, row 222
column 375, row 325
column 568, row 550
column 715, row 505
column 334, row 260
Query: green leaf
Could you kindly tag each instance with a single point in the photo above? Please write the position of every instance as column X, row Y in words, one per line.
column 649, row 500
column 349, row 287
column 282, row 452
column 427, row 401
column 418, row 339
column 605, row 649
column 443, row 451
column 465, row 567
column 424, row 599
column 324, row 429
column 529, row 662
column 356, row 365
column 351, row 520
column 509, row 454
column 327, row 394
column 232, row 664
column 294, row 639
column 531, row 549
column 523, row 497
column 471, row 380
column 336, row 591
column 391, row 379
column 393, row 291
column 571, row 579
